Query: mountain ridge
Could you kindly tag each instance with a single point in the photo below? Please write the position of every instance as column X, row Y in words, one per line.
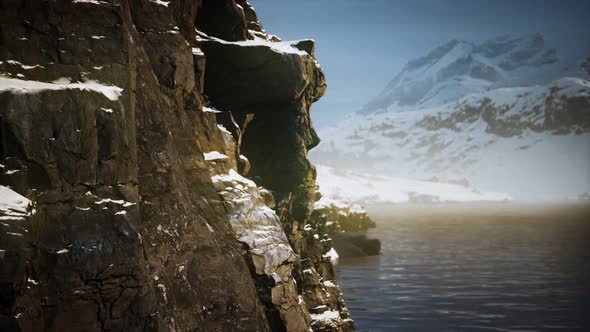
column 458, row 67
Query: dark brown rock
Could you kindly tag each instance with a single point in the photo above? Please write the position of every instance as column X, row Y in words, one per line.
column 223, row 19
column 356, row 245
column 102, row 127
column 122, row 196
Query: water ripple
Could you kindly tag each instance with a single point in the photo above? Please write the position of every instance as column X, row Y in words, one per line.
column 515, row 274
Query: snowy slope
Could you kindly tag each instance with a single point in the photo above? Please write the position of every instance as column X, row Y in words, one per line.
column 458, row 68
column 531, row 142
column 337, row 186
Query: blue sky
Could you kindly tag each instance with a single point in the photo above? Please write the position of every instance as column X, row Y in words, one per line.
column 362, row 44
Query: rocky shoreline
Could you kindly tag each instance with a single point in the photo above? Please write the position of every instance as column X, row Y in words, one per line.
column 347, row 224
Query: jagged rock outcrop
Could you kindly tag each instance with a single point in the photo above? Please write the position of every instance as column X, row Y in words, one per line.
column 274, row 84
column 103, row 130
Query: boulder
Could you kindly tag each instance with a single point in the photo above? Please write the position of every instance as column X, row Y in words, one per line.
column 355, row 245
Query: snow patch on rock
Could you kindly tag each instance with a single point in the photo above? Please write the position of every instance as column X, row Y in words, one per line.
column 13, row 206
column 24, row 86
column 256, row 224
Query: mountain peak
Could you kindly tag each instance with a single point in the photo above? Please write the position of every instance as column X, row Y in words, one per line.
column 458, row 67
column 436, row 54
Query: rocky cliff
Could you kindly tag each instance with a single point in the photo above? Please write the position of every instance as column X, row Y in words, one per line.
column 154, row 173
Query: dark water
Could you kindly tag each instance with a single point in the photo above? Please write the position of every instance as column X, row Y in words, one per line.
column 505, row 268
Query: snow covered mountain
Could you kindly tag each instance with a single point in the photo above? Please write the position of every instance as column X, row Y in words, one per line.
column 458, row 68
column 479, row 116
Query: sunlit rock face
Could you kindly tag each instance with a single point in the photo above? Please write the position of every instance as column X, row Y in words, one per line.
column 265, row 245
column 116, row 214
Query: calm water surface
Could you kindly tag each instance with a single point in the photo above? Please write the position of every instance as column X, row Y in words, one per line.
column 470, row 268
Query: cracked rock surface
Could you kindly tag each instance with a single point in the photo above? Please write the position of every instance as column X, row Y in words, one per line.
column 115, row 215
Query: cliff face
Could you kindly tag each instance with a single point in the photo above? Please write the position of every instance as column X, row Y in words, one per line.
column 129, row 128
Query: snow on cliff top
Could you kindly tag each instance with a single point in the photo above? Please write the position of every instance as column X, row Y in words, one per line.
column 285, row 47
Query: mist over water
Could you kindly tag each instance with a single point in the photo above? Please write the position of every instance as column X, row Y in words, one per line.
column 473, row 267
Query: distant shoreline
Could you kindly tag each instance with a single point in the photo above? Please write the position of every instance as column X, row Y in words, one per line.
column 511, row 208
